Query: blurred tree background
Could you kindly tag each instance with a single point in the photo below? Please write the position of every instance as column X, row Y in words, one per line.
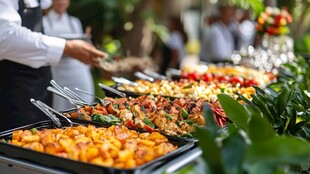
column 119, row 26
column 131, row 27
column 137, row 27
column 300, row 29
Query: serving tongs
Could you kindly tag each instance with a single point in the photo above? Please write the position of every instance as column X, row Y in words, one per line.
column 102, row 101
column 143, row 76
column 72, row 97
column 154, row 75
column 111, row 90
column 122, row 80
column 50, row 112
column 66, row 93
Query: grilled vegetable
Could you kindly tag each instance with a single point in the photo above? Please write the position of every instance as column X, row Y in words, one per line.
column 149, row 123
column 184, row 113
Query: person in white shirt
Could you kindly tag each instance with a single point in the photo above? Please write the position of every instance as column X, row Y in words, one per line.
column 69, row 72
column 210, row 17
column 25, row 57
column 220, row 43
column 247, row 30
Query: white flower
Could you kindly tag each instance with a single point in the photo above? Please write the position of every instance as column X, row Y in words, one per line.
column 269, row 10
column 276, row 11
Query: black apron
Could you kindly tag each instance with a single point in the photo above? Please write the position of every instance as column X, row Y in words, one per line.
column 19, row 83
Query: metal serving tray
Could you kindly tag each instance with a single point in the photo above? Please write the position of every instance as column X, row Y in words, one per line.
column 72, row 166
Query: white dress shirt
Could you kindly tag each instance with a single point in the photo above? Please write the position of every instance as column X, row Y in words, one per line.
column 220, row 43
column 19, row 44
column 69, row 72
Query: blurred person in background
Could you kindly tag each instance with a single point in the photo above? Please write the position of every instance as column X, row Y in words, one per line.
column 174, row 49
column 69, row 72
column 25, row 59
column 247, row 30
column 233, row 27
column 209, row 18
column 220, row 45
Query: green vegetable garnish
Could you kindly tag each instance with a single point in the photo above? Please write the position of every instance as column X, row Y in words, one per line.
column 106, row 119
column 128, row 107
column 96, row 117
column 184, row 113
column 114, row 119
column 116, row 106
column 187, row 86
column 168, row 98
column 188, row 135
column 222, row 89
column 188, row 121
column 169, row 117
column 149, row 123
column 33, row 130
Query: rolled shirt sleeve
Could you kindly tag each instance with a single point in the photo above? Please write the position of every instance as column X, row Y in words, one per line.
column 23, row 46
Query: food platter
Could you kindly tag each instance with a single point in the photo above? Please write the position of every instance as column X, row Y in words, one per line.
column 73, row 166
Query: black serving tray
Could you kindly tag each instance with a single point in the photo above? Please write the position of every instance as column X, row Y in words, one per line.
column 73, row 166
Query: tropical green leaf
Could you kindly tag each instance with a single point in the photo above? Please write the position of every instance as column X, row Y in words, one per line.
column 261, row 102
column 260, row 129
column 234, row 110
column 233, row 151
column 211, row 152
column 283, row 100
column 247, row 101
column 279, row 150
column 260, row 168
column 272, row 92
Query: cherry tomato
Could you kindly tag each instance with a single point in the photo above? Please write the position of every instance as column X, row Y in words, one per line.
column 223, row 78
column 148, row 128
column 235, row 80
column 193, row 76
column 131, row 124
column 110, row 109
column 208, row 77
column 251, row 82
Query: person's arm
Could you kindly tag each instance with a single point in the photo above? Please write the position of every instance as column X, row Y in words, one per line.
column 21, row 45
column 33, row 49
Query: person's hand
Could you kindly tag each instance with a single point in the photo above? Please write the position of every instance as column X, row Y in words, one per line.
column 84, row 52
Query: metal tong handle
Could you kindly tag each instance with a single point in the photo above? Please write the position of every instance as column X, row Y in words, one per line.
column 57, row 87
column 174, row 71
column 122, row 80
column 143, row 76
column 111, row 90
column 75, row 103
column 66, row 91
column 72, row 94
column 154, row 75
column 54, row 111
column 46, row 112
column 100, row 99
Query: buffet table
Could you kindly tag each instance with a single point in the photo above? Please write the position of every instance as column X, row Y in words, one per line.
column 16, row 166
